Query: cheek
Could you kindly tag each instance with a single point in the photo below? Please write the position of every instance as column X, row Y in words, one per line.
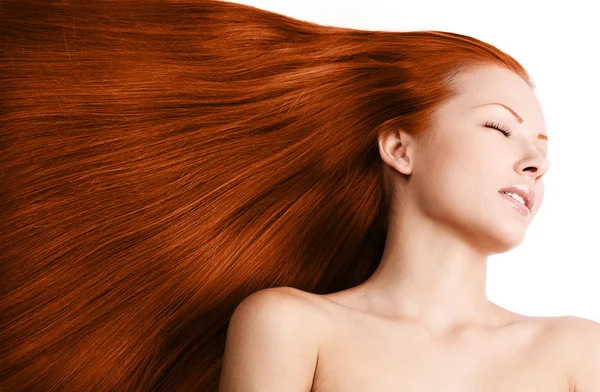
column 457, row 185
column 458, row 175
column 441, row 190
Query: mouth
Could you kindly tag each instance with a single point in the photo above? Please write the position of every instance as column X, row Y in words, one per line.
column 522, row 193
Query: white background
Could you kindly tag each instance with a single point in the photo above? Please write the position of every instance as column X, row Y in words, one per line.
column 555, row 271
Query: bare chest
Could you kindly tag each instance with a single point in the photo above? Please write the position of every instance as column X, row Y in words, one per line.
column 365, row 355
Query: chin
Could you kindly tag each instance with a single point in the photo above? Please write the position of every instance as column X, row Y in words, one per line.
column 509, row 238
column 499, row 235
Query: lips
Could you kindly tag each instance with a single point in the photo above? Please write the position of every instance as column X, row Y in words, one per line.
column 524, row 191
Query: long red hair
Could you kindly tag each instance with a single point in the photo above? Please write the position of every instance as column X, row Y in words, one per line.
column 161, row 161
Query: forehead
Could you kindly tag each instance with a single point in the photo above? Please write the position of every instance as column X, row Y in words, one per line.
column 499, row 85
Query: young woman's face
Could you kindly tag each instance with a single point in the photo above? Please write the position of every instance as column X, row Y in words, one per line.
column 458, row 177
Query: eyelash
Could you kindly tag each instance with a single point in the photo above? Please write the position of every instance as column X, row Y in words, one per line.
column 497, row 126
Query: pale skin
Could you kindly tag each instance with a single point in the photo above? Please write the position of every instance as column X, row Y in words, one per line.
column 422, row 321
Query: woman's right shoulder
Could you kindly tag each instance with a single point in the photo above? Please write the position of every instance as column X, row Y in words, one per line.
column 304, row 308
column 273, row 341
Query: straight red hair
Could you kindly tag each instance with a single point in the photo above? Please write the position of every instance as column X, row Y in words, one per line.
column 162, row 160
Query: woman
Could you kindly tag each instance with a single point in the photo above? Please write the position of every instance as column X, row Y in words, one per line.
column 203, row 195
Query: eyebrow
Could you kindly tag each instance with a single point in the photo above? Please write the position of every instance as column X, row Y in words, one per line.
column 519, row 119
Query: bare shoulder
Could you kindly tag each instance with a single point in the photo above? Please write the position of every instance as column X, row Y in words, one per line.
column 272, row 343
column 300, row 308
column 576, row 332
column 579, row 340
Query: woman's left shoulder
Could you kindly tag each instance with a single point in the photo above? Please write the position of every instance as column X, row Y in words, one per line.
column 577, row 340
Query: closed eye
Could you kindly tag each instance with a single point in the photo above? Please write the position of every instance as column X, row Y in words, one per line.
column 507, row 132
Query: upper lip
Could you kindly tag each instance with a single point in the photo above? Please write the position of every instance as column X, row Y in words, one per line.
column 524, row 191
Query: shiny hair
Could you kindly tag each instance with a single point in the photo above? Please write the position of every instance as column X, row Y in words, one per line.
column 162, row 160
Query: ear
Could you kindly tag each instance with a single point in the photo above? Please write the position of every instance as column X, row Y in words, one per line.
column 396, row 148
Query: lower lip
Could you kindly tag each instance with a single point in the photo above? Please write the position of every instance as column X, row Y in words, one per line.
column 520, row 207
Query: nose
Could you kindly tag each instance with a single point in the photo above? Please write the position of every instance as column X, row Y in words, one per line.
column 539, row 166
